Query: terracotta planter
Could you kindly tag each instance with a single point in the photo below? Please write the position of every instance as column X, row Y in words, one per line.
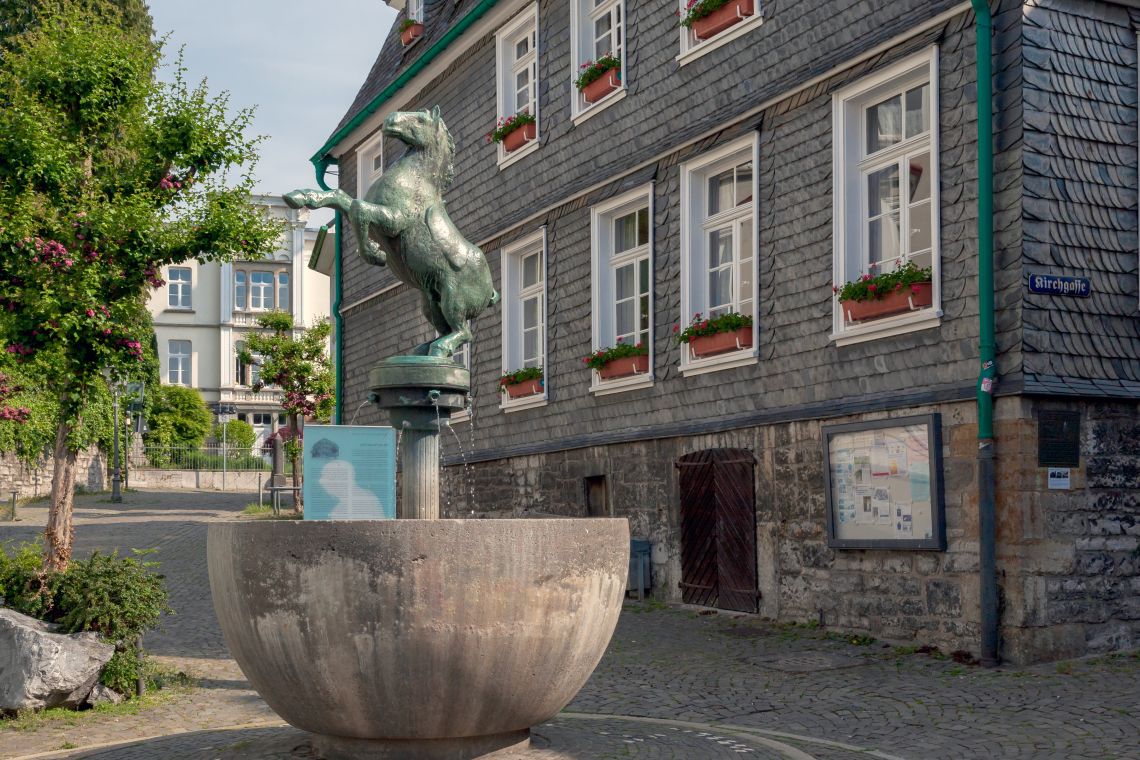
column 411, row 34
column 624, row 367
column 721, row 343
column 722, row 18
column 602, row 86
column 525, row 388
column 900, row 301
column 517, row 138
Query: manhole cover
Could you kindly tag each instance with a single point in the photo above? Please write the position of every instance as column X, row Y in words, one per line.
column 809, row 662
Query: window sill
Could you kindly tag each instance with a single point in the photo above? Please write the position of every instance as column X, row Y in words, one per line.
column 177, row 310
column 717, row 363
column 507, row 159
column 508, row 404
column 621, row 384
column 600, row 106
column 887, row 327
column 728, row 35
column 463, row 415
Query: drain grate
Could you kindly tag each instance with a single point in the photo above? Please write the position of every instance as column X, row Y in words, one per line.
column 809, row 662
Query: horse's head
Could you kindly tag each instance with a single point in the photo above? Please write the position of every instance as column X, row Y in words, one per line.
column 424, row 130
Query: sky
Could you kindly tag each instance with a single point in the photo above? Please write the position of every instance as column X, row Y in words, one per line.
column 300, row 69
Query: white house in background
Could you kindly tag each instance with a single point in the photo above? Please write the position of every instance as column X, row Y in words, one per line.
column 205, row 309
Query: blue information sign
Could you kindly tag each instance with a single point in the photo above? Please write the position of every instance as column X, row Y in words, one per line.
column 1056, row 285
column 350, row 472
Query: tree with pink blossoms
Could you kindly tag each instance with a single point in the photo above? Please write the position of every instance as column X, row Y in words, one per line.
column 296, row 361
column 107, row 175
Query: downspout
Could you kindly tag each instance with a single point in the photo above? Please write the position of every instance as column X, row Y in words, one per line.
column 322, row 167
column 987, row 377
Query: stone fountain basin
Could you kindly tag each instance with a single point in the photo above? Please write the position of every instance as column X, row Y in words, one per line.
column 418, row 629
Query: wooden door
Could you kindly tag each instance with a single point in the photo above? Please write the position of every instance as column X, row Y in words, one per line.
column 718, row 529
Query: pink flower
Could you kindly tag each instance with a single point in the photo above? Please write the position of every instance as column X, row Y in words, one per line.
column 90, row 312
column 915, row 288
column 872, row 288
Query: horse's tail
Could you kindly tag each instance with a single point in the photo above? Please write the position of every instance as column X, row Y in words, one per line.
column 494, row 298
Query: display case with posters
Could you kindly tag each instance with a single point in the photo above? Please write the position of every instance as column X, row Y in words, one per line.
column 884, row 484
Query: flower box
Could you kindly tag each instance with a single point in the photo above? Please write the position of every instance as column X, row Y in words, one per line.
column 602, row 86
column 917, row 296
column 703, row 346
column 525, row 388
column 624, row 367
column 410, row 34
column 722, row 18
column 517, row 138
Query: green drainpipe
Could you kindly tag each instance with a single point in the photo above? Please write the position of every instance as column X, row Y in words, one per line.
column 321, row 167
column 987, row 377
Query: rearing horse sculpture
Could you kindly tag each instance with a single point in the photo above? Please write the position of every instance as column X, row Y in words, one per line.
column 401, row 222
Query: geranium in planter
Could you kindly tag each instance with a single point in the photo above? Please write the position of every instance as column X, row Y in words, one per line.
column 522, row 382
column 410, row 31
column 708, row 18
column 514, row 131
column 597, row 79
column 718, row 335
column 908, row 288
column 622, row 360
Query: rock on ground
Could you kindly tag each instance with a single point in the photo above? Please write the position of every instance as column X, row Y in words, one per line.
column 100, row 693
column 42, row 668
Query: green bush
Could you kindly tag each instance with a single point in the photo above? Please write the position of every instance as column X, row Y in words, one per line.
column 119, row 598
column 178, row 417
column 239, row 437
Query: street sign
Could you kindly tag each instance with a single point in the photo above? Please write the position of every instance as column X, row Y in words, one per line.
column 1056, row 285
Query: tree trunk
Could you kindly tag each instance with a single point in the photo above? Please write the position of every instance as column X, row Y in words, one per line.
column 295, row 458
column 60, row 531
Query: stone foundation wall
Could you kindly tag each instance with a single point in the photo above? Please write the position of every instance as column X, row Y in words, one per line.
column 1067, row 560
column 31, row 482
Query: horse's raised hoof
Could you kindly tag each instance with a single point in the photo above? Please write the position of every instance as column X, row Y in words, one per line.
column 295, row 199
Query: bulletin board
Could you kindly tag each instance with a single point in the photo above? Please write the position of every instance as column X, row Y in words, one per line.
column 884, row 484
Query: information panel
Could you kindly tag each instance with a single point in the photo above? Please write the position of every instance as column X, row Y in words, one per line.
column 884, row 484
column 350, row 472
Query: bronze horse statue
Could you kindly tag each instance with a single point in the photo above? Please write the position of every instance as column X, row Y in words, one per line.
column 402, row 222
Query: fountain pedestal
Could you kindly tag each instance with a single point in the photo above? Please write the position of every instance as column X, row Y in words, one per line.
column 420, row 394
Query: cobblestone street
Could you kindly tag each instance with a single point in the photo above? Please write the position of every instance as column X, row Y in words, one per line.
column 674, row 683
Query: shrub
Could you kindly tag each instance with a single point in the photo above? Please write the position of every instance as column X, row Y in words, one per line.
column 119, row 598
column 178, row 417
column 22, row 584
column 239, row 437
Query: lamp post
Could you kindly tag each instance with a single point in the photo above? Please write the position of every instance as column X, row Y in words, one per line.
column 116, row 473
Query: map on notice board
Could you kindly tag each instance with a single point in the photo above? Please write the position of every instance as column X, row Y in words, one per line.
column 350, row 472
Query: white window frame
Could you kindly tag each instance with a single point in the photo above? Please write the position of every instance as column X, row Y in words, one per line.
column 602, row 264
column 582, row 16
column 271, row 287
column 848, row 197
column 179, row 364
column 511, row 263
column 694, row 188
column 505, row 67
column 283, row 303
column 415, row 11
column 367, row 155
column 241, row 304
column 691, row 48
column 179, row 289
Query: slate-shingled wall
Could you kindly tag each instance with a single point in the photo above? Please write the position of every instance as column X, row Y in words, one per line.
column 1053, row 145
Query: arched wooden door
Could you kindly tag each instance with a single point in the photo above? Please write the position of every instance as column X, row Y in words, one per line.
column 718, row 529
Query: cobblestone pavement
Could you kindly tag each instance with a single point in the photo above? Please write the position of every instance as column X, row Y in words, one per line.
column 675, row 683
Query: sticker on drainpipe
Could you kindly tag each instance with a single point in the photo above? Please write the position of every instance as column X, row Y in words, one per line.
column 1059, row 478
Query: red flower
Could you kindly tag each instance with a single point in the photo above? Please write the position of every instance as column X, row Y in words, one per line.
column 915, row 288
column 872, row 288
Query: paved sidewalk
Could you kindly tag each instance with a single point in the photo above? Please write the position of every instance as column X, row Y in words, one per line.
column 675, row 684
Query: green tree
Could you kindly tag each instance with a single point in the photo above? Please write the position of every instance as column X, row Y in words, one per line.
column 106, row 175
column 178, row 417
column 297, row 362
column 239, row 436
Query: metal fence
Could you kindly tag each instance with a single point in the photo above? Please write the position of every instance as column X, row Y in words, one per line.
column 208, row 458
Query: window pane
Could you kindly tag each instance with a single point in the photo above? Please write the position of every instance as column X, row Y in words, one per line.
column 625, row 321
column 530, row 313
column 919, row 178
column 530, row 349
column 747, row 262
column 643, row 226
column 624, row 282
column 720, row 247
column 282, row 291
column 744, row 183
column 884, row 124
column 643, row 276
column 883, row 239
column 917, row 114
column 920, row 224
column 522, row 47
column 377, row 161
column 720, row 192
column 531, row 270
column 626, row 232
column 883, row 191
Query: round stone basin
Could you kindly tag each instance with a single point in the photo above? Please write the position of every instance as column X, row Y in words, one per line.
column 401, row 633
